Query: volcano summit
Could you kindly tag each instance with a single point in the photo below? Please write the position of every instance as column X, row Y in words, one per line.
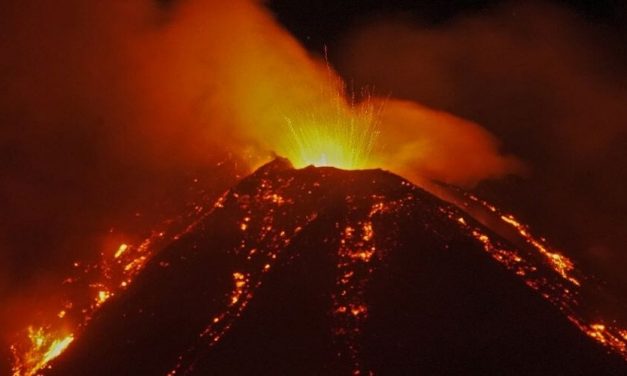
column 325, row 271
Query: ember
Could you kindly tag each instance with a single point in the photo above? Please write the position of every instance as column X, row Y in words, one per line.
column 31, row 358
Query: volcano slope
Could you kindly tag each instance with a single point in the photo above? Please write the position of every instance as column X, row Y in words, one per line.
column 324, row 271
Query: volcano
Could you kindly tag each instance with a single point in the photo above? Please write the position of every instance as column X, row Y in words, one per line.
column 325, row 271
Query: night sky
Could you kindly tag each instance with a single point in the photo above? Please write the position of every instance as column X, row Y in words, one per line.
column 321, row 23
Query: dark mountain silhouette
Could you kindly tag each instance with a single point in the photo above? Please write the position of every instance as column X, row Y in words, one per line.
column 323, row 271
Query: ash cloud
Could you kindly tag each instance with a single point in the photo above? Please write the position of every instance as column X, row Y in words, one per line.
column 424, row 145
column 548, row 83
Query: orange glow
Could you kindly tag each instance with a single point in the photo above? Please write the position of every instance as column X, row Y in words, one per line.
column 103, row 296
column 345, row 141
column 239, row 280
column 560, row 263
column 120, row 251
column 40, row 350
column 115, row 272
column 272, row 96
column 562, row 290
column 608, row 336
column 358, row 255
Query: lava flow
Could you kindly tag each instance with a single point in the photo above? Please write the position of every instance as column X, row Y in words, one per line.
column 330, row 271
column 272, row 212
column 87, row 291
column 354, row 224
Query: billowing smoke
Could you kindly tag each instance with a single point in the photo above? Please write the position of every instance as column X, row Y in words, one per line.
column 109, row 108
column 424, row 144
column 550, row 84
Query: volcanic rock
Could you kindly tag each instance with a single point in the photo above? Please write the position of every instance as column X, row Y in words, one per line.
column 324, row 271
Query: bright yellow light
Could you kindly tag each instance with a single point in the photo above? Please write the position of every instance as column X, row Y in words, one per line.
column 123, row 248
column 41, row 349
column 343, row 140
column 56, row 348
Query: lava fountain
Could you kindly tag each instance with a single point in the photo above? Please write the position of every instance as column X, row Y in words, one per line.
column 346, row 139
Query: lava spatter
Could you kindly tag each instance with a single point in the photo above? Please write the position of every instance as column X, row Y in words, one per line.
column 563, row 288
column 88, row 289
column 320, row 270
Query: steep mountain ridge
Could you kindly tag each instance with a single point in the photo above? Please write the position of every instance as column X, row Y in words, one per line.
column 325, row 271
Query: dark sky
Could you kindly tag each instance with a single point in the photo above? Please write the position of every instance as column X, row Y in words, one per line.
column 319, row 23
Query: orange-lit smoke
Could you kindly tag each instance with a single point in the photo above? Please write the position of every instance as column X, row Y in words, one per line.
column 258, row 82
column 106, row 106
column 247, row 80
column 424, row 144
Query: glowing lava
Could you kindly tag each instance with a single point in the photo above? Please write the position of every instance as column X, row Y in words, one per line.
column 344, row 139
column 343, row 147
column 96, row 283
column 261, row 223
column 41, row 349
